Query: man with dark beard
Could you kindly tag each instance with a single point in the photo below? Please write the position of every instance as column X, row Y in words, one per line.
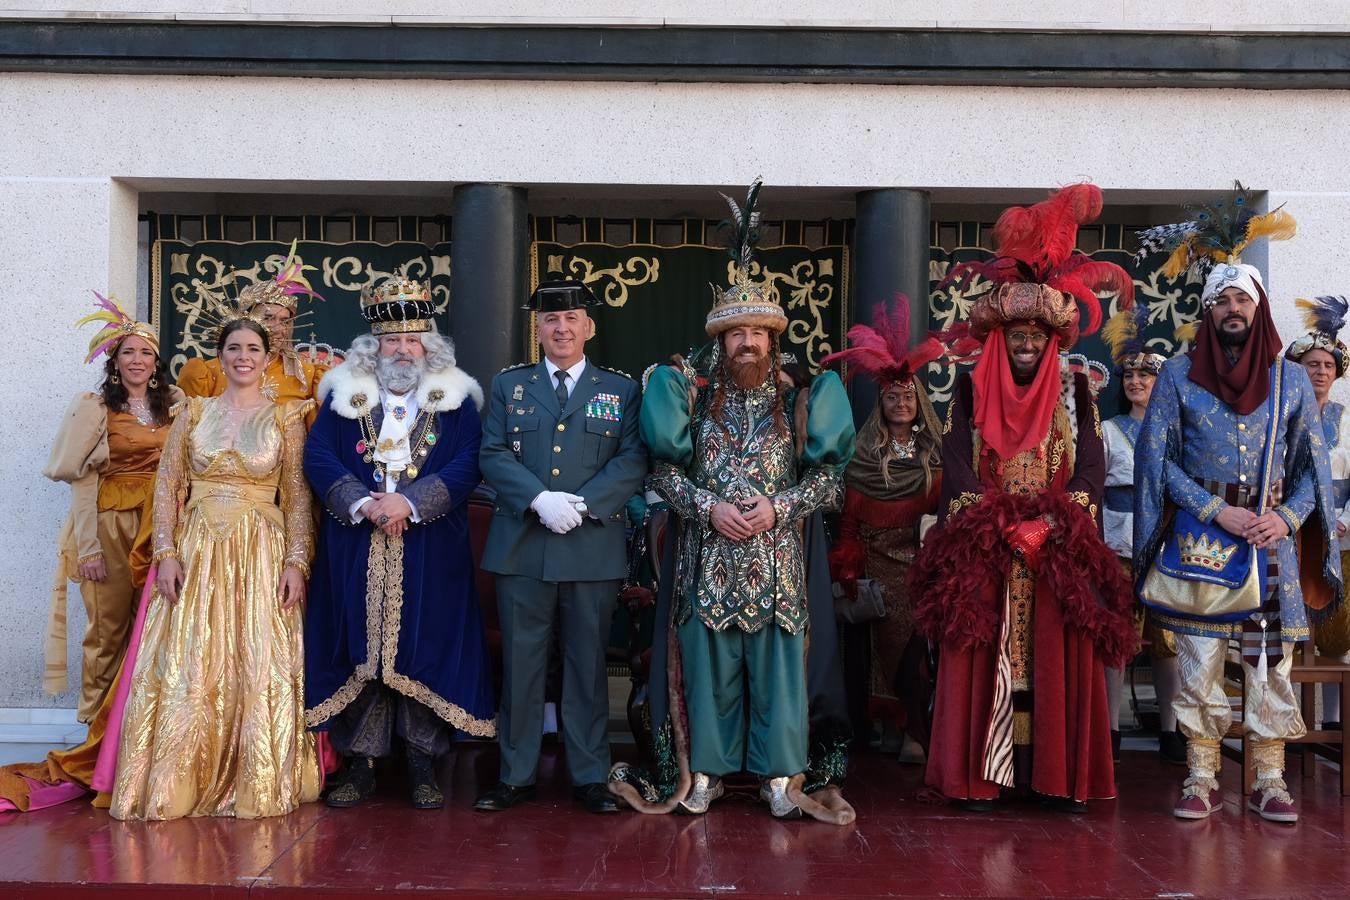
column 394, row 640
column 1231, row 466
column 743, row 462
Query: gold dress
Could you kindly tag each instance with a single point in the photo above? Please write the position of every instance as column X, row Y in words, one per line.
column 215, row 721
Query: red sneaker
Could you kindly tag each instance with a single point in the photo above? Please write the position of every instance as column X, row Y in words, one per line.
column 1273, row 804
column 1199, row 798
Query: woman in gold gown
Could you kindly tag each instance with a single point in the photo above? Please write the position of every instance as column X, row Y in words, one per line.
column 215, row 720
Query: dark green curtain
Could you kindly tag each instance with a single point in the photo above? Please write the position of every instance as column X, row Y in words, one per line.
column 184, row 276
column 656, row 298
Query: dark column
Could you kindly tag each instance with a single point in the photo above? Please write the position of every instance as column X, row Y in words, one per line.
column 489, row 245
column 890, row 257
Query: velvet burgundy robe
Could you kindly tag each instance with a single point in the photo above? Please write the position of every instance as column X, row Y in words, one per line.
column 1080, row 621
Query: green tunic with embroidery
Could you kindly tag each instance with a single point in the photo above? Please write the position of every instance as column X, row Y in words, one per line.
column 697, row 463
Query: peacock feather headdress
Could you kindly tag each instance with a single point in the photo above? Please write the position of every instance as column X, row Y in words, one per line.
column 1217, row 232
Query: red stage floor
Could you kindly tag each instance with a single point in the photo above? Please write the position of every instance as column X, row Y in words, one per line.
column 899, row 846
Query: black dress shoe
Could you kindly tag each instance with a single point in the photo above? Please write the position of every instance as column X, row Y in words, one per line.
column 973, row 805
column 426, row 793
column 595, row 797
column 356, row 783
column 1065, row 805
column 504, row 796
column 1172, row 747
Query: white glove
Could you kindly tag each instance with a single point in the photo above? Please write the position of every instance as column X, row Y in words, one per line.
column 556, row 511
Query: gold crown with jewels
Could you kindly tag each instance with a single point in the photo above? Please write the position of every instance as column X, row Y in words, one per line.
column 1205, row 553
column 396, row 289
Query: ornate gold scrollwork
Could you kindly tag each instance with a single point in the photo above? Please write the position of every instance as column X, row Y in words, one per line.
column 612, row 284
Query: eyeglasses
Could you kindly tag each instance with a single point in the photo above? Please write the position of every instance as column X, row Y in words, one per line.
column 1034, row 338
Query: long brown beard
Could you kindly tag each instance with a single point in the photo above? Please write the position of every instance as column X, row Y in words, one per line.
column 749, row 374
column 757, row 372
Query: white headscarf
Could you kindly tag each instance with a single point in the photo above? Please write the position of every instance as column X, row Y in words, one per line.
column 1232, row 274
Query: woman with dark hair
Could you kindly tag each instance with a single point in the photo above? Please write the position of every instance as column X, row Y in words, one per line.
column 1138, row 368
column 107, row 451
column 1324, row 356
column 893, row 480
column 214, row 722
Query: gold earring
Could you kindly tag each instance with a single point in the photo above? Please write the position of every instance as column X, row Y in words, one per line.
column 154, row 382
column 115, row 378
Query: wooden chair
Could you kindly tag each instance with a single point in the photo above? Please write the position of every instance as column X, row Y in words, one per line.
column 1309, row 671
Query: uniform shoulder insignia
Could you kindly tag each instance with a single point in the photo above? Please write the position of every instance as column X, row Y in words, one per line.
column 616, row 372
column 512, row 368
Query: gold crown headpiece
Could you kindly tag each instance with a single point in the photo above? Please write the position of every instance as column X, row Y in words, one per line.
column 746, row 302
column 399, row 305
column 220, row 312
column 285, row 289
column 117, row 324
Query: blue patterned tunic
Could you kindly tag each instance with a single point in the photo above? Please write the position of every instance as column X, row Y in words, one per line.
column 1190, row 435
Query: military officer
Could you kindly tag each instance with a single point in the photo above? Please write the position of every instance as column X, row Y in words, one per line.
column 561, row 449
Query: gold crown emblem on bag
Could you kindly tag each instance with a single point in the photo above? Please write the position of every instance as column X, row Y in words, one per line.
column 1204, row 553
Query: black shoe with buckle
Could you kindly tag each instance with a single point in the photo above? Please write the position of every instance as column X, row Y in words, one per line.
column 426, row 793
column 356, row 784
column 504, row 796
column 595, row 797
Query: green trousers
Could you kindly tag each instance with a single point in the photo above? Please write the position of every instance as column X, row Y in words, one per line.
column 722, row 669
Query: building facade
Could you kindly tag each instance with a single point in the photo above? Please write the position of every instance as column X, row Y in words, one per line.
column 884, row 115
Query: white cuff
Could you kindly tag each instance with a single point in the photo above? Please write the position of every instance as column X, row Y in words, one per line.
column 355, row 513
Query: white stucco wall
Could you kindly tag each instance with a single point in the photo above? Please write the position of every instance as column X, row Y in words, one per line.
column 77, row 148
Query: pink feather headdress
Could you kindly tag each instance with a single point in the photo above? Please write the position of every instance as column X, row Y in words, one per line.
column 286, row 288
column 882, row 351
column 117, row 324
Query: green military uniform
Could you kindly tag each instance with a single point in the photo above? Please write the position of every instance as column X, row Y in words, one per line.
column 590, row 447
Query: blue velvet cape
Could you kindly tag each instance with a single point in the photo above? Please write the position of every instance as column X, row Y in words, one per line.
column 421, row 634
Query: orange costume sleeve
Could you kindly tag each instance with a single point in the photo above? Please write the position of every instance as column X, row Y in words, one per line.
column 201, row 378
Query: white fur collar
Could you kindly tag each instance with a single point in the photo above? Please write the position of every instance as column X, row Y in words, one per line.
column 353, row 392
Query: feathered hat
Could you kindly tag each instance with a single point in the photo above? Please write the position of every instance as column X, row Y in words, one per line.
column 1324, row 318
column 1211, row 242
column 1036, row 272
column 286, row 289
column 117, row 324
column 882, row 351
column 746, row 302
column 1123, row 336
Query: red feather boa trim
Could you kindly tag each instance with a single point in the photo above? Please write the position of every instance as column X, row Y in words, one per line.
column 958, row 577
column 848, row 560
